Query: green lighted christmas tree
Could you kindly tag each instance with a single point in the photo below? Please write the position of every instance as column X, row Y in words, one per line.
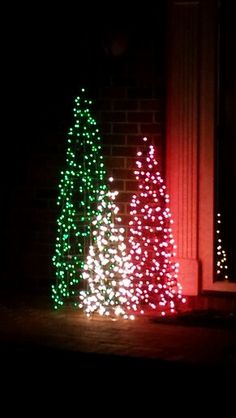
column 80, row 184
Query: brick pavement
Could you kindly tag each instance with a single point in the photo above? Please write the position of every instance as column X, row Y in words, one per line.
column 28, row 328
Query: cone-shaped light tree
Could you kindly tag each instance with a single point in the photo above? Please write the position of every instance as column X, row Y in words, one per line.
column 155, row 274
column 108, row 289
column 221, row 258
column 81, row 181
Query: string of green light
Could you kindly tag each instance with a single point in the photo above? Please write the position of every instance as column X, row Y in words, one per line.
column 81, row 182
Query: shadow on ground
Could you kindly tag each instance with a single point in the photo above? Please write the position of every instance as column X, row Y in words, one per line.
column 201, row 318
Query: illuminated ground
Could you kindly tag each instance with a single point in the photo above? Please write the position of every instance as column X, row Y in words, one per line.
column 30, row 331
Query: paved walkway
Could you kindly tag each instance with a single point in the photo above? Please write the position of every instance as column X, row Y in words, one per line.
column 74, row 359
column 191, row 341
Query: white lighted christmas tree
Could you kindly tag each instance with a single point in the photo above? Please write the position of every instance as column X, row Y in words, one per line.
column 155, row 273
column 221, row 258
column 81, row 181
column 108, row 290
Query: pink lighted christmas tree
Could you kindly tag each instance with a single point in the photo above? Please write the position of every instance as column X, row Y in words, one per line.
column 155, row 274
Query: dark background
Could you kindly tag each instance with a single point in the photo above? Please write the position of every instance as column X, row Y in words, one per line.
column 226, row 144
column 48, row 55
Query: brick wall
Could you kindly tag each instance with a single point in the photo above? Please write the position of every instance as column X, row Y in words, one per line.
column 126, row 115
column 126, row 83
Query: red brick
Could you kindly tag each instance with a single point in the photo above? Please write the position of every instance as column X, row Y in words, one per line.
column 158, row 117
column 123, row 174
column 106, row 128
column 127, row 207
column 134, row 140
column 123, row 151
column 103, row 104
column 125, row 105
column 122, row 208
column 157, row 139
column 150, row 104
column 131, row 163
column 124, row 197
column 113, row 116
column 117, row 162
column 106, row 151
column 125, row 128
column 123, row 79
column 113, row 139
column 139, row 92
column 150, row 128
column 131, row 185
column 140, row 117
column 137, row 140
column 125, row 220
column 117, row 185
column 114, row 92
